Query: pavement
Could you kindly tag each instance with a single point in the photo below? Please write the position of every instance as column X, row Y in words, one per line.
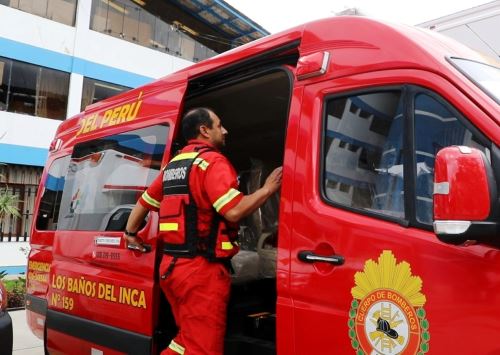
column 25, row 343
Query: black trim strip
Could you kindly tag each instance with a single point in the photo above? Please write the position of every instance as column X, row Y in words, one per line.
column 409, row 156
column 98, row 333
column 287, row 53
column 36, row 304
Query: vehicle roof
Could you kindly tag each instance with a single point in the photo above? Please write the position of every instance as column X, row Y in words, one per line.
column 389, row 46
column 396, row 41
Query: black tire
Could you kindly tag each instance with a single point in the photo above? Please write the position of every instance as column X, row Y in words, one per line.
column 6, row 337
column 45, row 350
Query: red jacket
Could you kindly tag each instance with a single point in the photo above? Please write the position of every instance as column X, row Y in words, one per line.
column 213, row 183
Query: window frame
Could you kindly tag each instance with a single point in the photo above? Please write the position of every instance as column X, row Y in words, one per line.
column 408, row 94
column 415, row 90
column 40, row 80
column 450, row 59
column 167, row 144
column 59, row 159
column 324, row 122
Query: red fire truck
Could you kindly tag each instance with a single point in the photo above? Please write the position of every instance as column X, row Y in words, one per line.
column 384, row 238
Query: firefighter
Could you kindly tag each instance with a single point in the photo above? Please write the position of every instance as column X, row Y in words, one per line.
column 199, row 206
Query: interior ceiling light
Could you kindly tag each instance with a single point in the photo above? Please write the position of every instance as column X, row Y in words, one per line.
column 139, row 2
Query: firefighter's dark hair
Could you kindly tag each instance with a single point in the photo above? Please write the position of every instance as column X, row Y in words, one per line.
column 192, row 121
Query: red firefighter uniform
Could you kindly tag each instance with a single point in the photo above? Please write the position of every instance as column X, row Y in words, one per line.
column 196, row 284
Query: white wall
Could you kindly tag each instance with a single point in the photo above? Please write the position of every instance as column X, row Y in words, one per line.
column 74, row 43
column 110, row 51
column 477, row 27
column 86, row 44
column 12, row 254
column 34, row 30
column 29, row 131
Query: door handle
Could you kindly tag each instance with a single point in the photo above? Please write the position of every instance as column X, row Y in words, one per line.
column 147, row 248
column 308, row 256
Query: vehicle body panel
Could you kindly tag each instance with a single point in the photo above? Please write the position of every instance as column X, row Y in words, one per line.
column 315, row 301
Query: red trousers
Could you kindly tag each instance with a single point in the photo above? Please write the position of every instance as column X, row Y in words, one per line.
column 198, row 293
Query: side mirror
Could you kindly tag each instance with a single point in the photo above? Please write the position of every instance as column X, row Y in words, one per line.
column 465, row 196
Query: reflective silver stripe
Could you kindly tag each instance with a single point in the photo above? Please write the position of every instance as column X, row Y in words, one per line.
column 451, row 227
column 150, row 200
column 225, row 199
column 176, row 347
column 202, row 164
column 441, row 188
column 464, row 150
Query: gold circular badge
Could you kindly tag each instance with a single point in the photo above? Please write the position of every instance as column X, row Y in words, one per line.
column 387, row 314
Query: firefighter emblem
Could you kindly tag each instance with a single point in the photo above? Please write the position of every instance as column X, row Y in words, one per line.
column 387, row 313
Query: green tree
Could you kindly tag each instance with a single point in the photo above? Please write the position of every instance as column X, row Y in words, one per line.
column 8, row 203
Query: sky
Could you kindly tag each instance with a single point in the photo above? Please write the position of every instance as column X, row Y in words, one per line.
column 278, row 15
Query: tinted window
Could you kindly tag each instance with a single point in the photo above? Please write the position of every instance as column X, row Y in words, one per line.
column 33, row 90
column 62, row 11
column 436, row 127
column 487, row 77
column 106, row 177
column 48, row 211
column 96, row 90
column 363, row 160
column 127, row 20
column 22, row 93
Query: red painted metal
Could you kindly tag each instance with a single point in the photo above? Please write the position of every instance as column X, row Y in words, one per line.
column 321, row 297
column 468, row 198
column 313, row 303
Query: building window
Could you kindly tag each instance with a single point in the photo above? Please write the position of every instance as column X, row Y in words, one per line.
column 124, row 19
column 21, row 181
column 62, row 11
column 33, row 90
column 363, row 153
column 96, row 90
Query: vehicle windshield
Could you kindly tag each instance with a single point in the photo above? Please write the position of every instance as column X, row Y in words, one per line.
column 487, row 77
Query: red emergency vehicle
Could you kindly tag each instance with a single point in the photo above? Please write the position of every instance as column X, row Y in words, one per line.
column 384, row 238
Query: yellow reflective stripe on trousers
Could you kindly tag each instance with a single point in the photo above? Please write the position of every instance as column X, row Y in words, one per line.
column 225, row 199
column 168, row 227
column 150, row 200
column 184, row 156
column 176, row 347
column 227, row 245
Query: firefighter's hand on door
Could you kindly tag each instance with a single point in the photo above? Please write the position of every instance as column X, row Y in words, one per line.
column 135, row 243
column 273, row 181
